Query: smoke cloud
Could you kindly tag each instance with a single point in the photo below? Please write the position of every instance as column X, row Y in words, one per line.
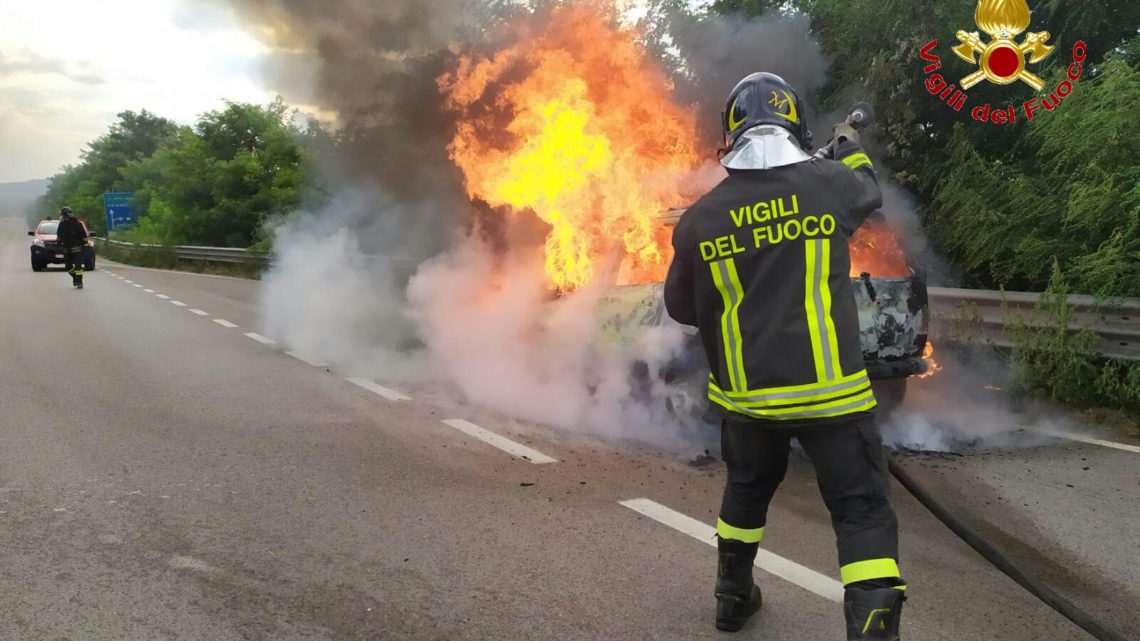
column 402, row 278
column 515, row 350
column 966, row 405
column 373, row 66
column 717, row 51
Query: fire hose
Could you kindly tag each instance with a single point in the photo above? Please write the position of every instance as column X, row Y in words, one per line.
column 1063, row 606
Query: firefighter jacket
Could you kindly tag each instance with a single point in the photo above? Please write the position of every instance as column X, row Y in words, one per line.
column 70, row 233
column 761, row 268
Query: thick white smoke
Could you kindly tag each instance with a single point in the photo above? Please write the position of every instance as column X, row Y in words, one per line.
column 493, row 332
column 965, row 405
column 474, row 322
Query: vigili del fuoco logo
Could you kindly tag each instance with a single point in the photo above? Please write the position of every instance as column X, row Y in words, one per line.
column 1001, row 60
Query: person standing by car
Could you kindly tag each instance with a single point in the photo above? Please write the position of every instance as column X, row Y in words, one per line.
column 761, row 268
column 72, row 237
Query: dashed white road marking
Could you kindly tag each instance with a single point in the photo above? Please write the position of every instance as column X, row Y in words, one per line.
column 379, row 390
column 791, row 571
column 1092, row 441
column 136, row 285
column 194, row 310
column 177, row 303
column 259, row 338
column 129, row 282
column 225, row 323
column 501, row 442
column 149, row 291
column 162, row 296
column 307, row 361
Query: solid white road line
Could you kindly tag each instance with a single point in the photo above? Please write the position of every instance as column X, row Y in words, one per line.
column 503, row 443
column 806, row 578
column 149, row 291
column 177, row 303
column 198, row 312
column 224, row 323
column 1092, row 441
column 259, row 338
column 314, row 363
column 379, row 390
column 162, row 296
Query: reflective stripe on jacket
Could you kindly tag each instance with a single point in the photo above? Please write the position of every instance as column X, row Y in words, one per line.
column 762, row 267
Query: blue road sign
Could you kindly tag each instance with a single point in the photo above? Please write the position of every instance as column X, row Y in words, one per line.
column 120, row 211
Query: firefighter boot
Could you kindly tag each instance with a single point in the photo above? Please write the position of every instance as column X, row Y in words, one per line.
column 873, row 614
column 737, row 597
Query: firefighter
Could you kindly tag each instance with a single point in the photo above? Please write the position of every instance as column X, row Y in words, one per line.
column 761, row 269
column 72, row 238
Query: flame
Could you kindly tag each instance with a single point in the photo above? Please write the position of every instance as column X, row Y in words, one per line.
column 875, row 250
column 576, row 124
column 1002, row 18
column 932, row 365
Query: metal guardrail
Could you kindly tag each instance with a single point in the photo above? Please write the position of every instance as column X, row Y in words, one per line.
column 963, row 314
column 974, row 314
column 230, row 255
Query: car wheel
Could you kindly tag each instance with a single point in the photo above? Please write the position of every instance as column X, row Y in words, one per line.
column 890, row 394
column 37, row 266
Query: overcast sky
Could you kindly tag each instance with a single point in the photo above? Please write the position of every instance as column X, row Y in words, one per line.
column 68, row 66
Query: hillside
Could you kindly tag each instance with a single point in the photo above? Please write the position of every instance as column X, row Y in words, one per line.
column 16, row 198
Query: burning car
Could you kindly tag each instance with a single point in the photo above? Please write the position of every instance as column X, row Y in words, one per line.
column 575, row 125
column 890, row 294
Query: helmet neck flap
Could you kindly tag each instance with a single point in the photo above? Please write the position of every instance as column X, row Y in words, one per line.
column 764, row 147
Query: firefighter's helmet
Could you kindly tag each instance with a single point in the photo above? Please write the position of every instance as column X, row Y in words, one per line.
column 764, row 99
column 65, row 211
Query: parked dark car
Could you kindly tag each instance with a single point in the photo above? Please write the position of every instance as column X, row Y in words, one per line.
column 46, row 250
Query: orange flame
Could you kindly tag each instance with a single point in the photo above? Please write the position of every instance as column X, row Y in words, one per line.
column 932, row 365
column 576, row 124
column 875, row 250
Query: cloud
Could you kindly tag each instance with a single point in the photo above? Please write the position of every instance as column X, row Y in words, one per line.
column 67, row 68
column 202, row 16
column 35, row 64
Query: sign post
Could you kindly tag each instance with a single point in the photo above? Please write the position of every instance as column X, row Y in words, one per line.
column 120, row 212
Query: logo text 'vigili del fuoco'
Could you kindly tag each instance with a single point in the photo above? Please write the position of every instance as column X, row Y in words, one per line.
column 1002, row 61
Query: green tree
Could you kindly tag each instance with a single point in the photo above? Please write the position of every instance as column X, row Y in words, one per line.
column 133, row 137
column 1068, row 190
column 216, row 183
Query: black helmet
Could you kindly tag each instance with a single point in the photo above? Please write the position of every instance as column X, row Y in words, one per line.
column 764, row 99
column 65, row 211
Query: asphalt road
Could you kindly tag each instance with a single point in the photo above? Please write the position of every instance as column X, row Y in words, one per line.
column 163, row 476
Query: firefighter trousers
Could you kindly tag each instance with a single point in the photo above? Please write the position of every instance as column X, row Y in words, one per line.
column 73, row 257
column 851, row 470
